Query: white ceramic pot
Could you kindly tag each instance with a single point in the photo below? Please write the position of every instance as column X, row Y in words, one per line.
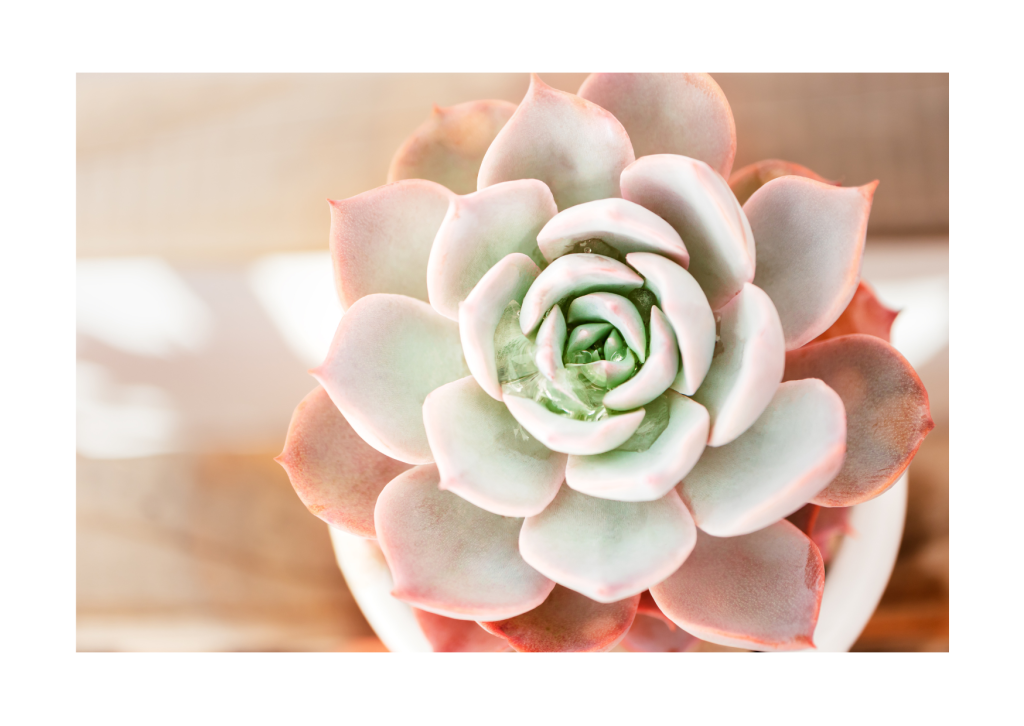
column 854, row 584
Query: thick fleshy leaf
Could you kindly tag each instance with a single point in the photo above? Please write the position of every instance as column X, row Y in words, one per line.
column 381, row 239
column 586, row 335
column 608, row 373
column 669, row 113
column 626, row 226
column 865, row 314
column 615, row 309
column 481, row 312
column 641, row 476
column 388, row 353
column 451, row 558
column 687, row 309
column 568, row 622
column 747, row 370
column 697, row 202
column 478, row 231
column 447, row 635
column 810, row 239
column 608, row 550
column 804, row 518
column 887, row 413
column 570, row 436
column 336, row 474
column 448, row 147
column 656, row 375
column 650, row 634
column 760, row 591
column 551, row 342
column 576, row 274
column 484, row 455
column 793, row 450
column 575, row 147
column 744, row 182
column 830, row 526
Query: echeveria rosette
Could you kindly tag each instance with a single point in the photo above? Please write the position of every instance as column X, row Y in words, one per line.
column 580, row 403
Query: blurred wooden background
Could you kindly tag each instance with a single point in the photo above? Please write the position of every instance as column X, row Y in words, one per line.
column 204, row 546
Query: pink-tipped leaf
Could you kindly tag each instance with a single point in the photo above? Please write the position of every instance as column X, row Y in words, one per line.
column 450, row 557
column 336, row 474
column 575, row 147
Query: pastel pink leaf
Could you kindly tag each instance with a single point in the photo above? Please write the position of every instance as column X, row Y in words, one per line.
column 642, row 476
column 865, row 314
column 608, row 550
column 744, row 182
column 793, row 450
column 448, row 147
column 575, row 147
column 478, row 231
column 451, row 558
column 760, row 591
column 481, row 312
column 887, row 412
column 830, row 526
column 484, row 456
column 447, row 635
column 336, row 474
column 576, row 274
column 687, row 309
column 810, row 239
column 551, row 342
column 571, row 436
column 381, row 239
column 746, row 371
column 650, row 634
column 656, row 375
column 669, row 113
column 568, row 622
column 697, row 202
column 388, row 353
column 621, row 224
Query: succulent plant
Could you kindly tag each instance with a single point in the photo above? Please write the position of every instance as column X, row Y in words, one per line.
column 582, row 380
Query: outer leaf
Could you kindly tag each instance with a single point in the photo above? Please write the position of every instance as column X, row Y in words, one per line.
column 568, row 622
column 887, row 413
column 697, row 202
column 447, row 635
column 669, row 113
column 575, row 147
column 381, row 239
column 336, row 474
column 760, row 591
column 481, row 312
column 608, row 550
column 388, row 353
column 745, row 373
column 810, row 240
column 651, row 634
column 448, row 147
column 744, row 182
column 790, row 454
column 865, row 314
column 451, row 558
column 484, row 456
column 478, row 231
